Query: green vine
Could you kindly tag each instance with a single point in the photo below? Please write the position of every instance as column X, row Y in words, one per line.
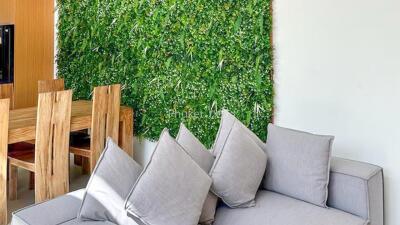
column 178, row 60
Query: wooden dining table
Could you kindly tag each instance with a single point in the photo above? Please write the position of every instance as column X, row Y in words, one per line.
column 22, row 123
column 22, row 127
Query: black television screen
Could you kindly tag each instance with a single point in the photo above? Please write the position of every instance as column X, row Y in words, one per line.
column 6, row 53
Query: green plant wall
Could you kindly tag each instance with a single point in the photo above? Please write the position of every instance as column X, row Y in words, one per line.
column 178, row 60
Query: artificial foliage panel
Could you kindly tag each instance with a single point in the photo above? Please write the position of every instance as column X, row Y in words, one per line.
column 178, row 60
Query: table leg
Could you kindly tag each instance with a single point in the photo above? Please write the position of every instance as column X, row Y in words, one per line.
column 126, row 133
column 12, row 182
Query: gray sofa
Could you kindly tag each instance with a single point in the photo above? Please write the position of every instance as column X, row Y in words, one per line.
column 355, row 198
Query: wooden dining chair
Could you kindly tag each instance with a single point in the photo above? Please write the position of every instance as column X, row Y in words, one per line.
column 50, row 160
column 105, row 123
column 7, row 91
column 50, row 85
column 4, row 120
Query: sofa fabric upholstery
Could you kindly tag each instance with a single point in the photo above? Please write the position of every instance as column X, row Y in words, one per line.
column 56, row 211
column 357, row 188
column 205, row 159
column 276, row 209
column 79, row 222
column 298, row 164
column 348, row 179
column 199, row 153
column 171, row 189
column 226, row 124
column 238, row 169
column 109, row 186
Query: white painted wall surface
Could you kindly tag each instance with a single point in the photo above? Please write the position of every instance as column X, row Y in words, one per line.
column 337, row 71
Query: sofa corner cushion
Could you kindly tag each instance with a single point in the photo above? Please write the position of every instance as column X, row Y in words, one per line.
column 277, row 209
column 238, row 169
column 298, row 164
column 171, row 189
column 109, row 185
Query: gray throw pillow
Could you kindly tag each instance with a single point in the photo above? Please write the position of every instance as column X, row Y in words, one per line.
column 238, row 169
column 109, row 186
column 195, row 148
column 171, row 189
column 205, row 159
column 226, row 124
column 298, row 164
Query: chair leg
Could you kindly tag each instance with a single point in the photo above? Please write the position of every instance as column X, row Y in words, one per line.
column 12, row 182
column 86, row 166
column 31, row 180
column 78, row 160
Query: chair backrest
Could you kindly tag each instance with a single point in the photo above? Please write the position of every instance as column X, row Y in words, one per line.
column 4, row 118
column 52, row 145
column 7, row 91
column 105, row 119
column 50, row 85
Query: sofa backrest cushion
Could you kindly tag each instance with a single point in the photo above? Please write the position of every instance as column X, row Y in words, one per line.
column 108, row 187
column 226, row 124
column 298, row 164
column 171, row 189
column 238, row 169
column 205, row 159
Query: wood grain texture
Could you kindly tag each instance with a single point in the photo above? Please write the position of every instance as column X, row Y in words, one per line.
column 7, row 91
column 23, row 121
column 52, row 145
column 4, row 120
column 34, row 48
column 12, row 182
column 105, row 119
column 7, row 11
column 126, row 132
column 50, row 85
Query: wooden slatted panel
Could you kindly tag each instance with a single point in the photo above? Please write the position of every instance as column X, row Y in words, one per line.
column 4, row 117
column 7, row 91
column 52, row 145
column 105, row 119
column 50, row 85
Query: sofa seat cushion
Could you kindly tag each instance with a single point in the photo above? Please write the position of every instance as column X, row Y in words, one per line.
column 56, row 211
column 59, row 211
column 276, row 209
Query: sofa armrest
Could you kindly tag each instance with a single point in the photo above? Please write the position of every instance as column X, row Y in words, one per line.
column 55, row 211
column 357, row 188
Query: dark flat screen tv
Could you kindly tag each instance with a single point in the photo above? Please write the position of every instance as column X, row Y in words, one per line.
column 6, row 54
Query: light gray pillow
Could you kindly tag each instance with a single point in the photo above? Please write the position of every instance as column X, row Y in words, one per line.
column 171, row 189
column 195, row 148
column 226, row 124
column 238, row 169
column 109, row 186
column 205, row 159
column 298, row 164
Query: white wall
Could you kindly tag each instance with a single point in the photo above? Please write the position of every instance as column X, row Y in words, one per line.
column 337, row 72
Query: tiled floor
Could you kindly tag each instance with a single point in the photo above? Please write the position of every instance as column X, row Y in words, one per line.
column 27, row 197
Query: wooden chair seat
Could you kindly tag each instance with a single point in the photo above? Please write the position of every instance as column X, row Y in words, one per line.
column 25, row 160
column 21, row 146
